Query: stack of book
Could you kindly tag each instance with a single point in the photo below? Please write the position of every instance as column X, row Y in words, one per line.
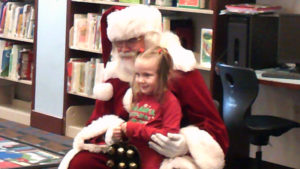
column 85, row 33
column 16, row 61
column 245, row 8
column 16, row 19
column 83, row 74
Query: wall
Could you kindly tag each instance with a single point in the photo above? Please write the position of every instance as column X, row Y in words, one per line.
column 288, row 6
column 281, row 102
column 50, row 57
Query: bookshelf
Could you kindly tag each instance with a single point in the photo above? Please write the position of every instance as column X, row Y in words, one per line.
column 16, row 88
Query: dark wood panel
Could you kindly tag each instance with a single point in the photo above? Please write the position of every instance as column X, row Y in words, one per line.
column 47, row 123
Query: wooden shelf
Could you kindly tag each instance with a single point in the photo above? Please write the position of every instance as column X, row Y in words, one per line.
column 76, row 117
column 82, row 95
column 175, row 9
column 18, row 111
column 16, row 38
column 27, row 82
column 87, row 50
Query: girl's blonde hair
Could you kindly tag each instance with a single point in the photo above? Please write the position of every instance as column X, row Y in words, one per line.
column 165, row 68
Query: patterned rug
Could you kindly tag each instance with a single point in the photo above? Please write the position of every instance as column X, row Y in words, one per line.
column 49, row 142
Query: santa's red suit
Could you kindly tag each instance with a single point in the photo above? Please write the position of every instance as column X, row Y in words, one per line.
column 202, row 126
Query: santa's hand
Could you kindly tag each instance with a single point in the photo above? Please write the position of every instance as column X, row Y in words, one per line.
column 171, row 146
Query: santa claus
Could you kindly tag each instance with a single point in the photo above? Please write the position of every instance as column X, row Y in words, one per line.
column 202, row 142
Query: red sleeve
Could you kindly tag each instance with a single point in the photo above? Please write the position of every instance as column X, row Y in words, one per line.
column 197, row 105
column 171, row 117
column 114, row 105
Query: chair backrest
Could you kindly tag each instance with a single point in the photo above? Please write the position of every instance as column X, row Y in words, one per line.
column 240, row 89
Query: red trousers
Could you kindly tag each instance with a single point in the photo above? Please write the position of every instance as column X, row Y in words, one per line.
column 88, row 160
column 85, row 159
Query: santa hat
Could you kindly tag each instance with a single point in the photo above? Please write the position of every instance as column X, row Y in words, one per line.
column 106, row 44
column 131, row 22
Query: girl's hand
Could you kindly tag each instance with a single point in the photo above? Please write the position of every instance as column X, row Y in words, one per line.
column 123, row 127
column 117, row 134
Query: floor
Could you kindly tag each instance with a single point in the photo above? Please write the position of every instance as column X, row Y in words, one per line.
column 44, row 140
column 61, row 144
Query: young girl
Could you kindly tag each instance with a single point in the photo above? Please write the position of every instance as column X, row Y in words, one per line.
column 154, row 108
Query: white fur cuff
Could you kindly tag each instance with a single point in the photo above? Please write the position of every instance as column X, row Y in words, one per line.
column 103, row 91
column 127, row 99
column 204, row 149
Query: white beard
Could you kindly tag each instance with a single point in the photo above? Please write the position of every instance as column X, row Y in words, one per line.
column 125, row 67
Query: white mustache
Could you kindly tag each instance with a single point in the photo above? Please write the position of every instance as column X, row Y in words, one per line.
column 127, row 54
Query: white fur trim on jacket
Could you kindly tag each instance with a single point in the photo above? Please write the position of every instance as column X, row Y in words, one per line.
column 183, row 59
column 103, row 91
column 64, row 164
column 96, row 128
column 184, row 162
column 204, row 149
column 127, row 99
column 132, row 22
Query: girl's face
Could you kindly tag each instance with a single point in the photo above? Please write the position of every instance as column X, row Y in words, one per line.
column 146, row 74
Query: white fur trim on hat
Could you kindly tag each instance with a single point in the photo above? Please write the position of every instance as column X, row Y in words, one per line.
column 132, row 22
column 103, row 91
column 183, row 59
column 204, row 149
column 127, row 99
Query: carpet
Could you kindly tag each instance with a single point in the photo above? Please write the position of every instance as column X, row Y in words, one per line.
column 54, row 144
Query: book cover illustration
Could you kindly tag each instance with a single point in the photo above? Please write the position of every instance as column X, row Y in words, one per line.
column 206, row 47
column 191, row 3
column 5, row 59
column 14, row 155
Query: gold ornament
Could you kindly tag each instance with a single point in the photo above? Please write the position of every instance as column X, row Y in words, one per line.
column 121, row 150
column 132, row 165
column 130, row 153
column 122, row 165
column 110, row 163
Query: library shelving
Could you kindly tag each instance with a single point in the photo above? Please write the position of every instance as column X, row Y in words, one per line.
column 17, row 36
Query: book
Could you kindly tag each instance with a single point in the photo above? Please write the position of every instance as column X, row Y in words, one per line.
column 5, row 58
column 3, row 15
column 191, row 3
column 17, row 15
column 91, row 29
column 206, row 47
column 97, row 42
column 13, row 62
column 80, row 31
column 251, row 8
column 2, row 45
column 25, row 20
column 25, row 64
column 130, row 1
column 30, row 30
column 90, row 68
